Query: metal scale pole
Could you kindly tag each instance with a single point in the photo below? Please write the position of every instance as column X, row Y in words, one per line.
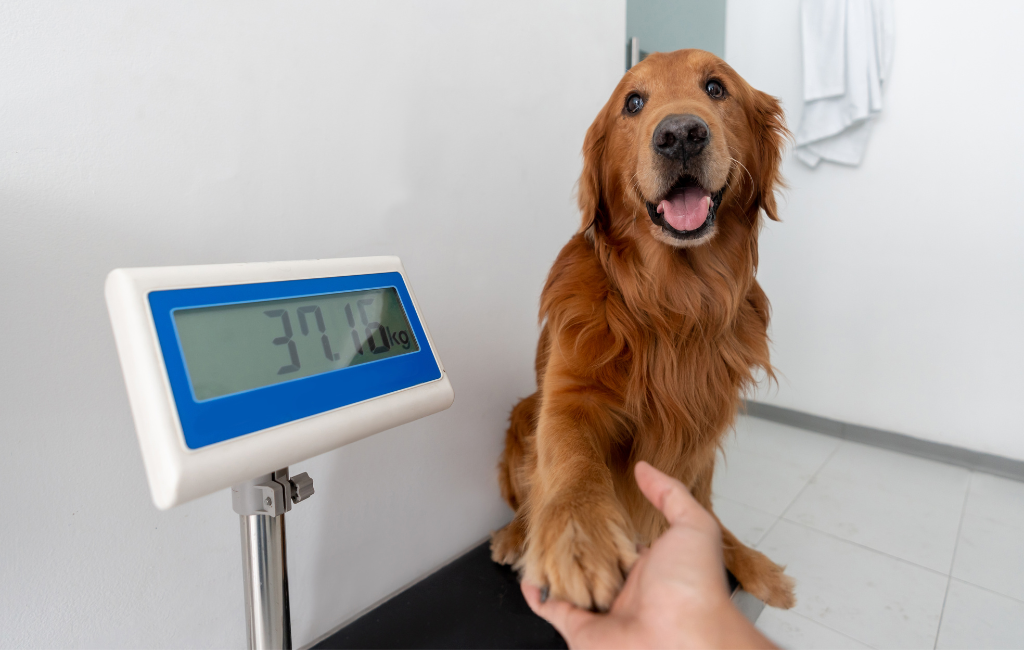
column 261, row 504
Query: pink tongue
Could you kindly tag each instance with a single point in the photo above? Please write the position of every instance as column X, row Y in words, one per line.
column 686, row 209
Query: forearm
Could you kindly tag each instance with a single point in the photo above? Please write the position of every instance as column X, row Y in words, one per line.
column 580, row 540
column 576, row 427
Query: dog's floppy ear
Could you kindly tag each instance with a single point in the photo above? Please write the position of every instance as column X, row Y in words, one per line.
column 590, row 195
column 770, row 135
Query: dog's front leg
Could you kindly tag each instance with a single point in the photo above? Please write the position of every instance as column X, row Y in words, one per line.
column 580, row 543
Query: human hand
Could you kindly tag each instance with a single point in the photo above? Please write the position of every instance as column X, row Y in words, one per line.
column 676, row 595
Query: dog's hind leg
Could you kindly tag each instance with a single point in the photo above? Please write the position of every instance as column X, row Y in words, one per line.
column 507, row 543
column 756, row 573
column 520, row 455
column 514, row 469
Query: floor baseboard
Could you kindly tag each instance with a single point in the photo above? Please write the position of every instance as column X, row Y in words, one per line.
column 989, row 463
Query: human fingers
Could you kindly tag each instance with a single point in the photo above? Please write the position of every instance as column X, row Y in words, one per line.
column 565, row 618
column 668, row 495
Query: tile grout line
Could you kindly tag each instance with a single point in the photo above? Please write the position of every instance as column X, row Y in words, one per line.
column 797, row 496
column 829, row 627
column 740, row 503
column 952, row 562
column 870, row 550
column 989, row 590
column 967, row 490
column 866, row 548
column 850, row 541
column 781, row 517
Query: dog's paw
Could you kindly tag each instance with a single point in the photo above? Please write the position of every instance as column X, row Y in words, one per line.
column 581, row 554
column 775, row 588
column 507, row 543
column 766, row 580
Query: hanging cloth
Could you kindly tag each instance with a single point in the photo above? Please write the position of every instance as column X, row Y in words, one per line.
column 848, row 48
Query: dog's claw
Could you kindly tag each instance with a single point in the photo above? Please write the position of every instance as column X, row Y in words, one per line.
column 544, row 591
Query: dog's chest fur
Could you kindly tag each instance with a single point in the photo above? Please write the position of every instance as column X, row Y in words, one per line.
column 676, row 344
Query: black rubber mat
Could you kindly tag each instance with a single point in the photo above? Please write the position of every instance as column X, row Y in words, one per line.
column 470, row 603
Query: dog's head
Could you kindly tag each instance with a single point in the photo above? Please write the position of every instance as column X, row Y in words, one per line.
column 681, row 135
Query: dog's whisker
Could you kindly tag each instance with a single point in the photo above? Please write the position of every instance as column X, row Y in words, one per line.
column 749, row 175
column 742, row 166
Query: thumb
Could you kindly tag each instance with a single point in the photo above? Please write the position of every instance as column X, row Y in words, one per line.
column 667, row 494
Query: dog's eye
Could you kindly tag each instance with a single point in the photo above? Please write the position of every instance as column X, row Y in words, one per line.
column 634, row 103
column 714, row 89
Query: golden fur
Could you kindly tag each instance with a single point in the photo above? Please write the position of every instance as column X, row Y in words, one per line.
column 647, row 341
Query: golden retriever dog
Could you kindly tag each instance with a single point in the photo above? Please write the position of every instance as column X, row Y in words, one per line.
column 652, row 326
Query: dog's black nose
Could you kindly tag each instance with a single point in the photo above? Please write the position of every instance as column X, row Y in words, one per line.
column 681, row 136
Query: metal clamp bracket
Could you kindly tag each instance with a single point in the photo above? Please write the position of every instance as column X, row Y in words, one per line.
column 271, row 494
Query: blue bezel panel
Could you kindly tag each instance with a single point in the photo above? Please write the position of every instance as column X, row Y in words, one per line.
column 215, row 420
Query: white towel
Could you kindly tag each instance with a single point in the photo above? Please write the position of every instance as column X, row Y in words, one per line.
column 848, row 47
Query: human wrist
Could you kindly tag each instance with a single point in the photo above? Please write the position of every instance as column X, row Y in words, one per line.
column 717, row 623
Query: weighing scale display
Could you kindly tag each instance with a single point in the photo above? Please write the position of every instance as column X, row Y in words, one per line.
column 237, row 370
column 233, row 348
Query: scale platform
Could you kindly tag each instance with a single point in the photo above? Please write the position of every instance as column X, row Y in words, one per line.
column 471, row 602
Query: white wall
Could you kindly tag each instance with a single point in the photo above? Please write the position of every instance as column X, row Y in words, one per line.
column 131, row 134
column 898, row 286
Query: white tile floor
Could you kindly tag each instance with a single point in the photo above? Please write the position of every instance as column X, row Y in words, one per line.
column 888, row 550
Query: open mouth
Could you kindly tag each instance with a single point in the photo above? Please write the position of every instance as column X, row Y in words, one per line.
column 687, row 211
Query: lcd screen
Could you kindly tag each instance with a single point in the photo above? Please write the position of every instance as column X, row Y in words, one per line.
column 233, row 348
